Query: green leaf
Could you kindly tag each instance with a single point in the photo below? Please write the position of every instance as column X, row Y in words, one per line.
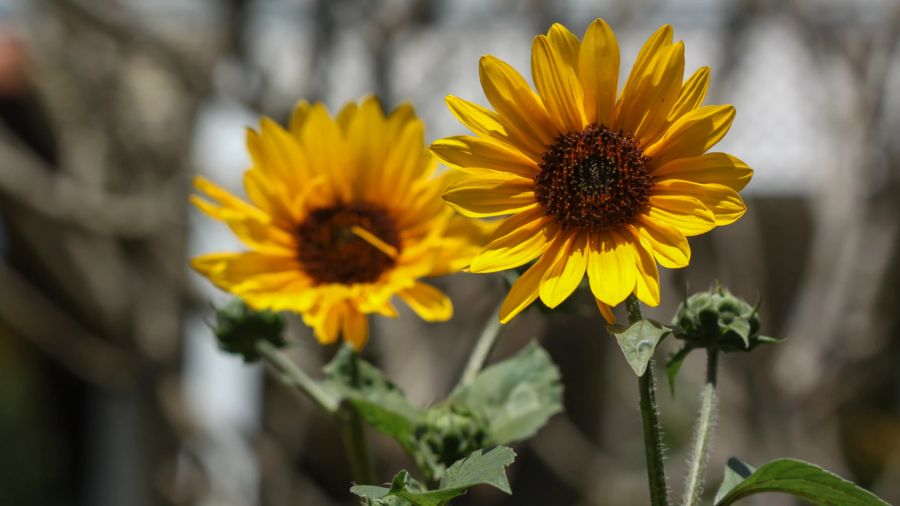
column 674, row 365
column 517, row 396
column 380, row 403
column 638, row 342
column 800, row 479
column 735, row 472
column 479, row 468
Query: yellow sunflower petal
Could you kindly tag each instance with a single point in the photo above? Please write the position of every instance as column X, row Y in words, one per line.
column 527, row 288
column 325, row 322
column 298, row 118
column 646, row 287
column 463, row 240
column 271, row 196
column 566, row 44
column 277, row 153
column 720, row 168
column 693, row 91
column 660, row 39
column 367, row 144
column 685, row 213
column 226, row 199
column 669, row 246
column 725, row 203
column 558, row 86
column 346, row 114
column 428, row 302
column 522, row 112
column 398, row 118
column 232, row 270
column 598, row 70
column 606, row 311
column 326, row 150
column 566, row 272
column 260, row 235
column 478, row 119
column 692, row 134
column 471, row 152
column 407, row 161
column 644, row 109
column 490, row 195
column 355, row 328
column 611, row 269
column 296, row 295
column 517, row 241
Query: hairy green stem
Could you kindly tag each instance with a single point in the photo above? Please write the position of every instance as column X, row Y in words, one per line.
column 483, row 348
column 703, row 434
column 656, row 472
column 293, row 376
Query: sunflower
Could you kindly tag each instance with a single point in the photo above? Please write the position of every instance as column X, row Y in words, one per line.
column 596, row 182
column 342, row 214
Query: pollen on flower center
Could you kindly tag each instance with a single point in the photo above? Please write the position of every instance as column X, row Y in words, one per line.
column 334, row 247
column 595, row 179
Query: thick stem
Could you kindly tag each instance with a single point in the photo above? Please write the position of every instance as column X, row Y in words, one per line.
column 483, row 348
column 293, row 376
column 353, row 432
column 703, row 435
column 656, row 472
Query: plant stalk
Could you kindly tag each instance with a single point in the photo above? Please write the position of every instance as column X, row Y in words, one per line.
column 353, row 432
column 656, row 472
column 293, row 376
column 703, row 434
column 483, row 348
column 345, row 416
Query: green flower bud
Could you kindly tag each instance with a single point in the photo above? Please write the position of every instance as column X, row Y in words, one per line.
column 718, row 319
column 239, row 327
column 452, row 432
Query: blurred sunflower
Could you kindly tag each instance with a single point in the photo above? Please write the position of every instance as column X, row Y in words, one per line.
column 343, row 214
column 595, row 184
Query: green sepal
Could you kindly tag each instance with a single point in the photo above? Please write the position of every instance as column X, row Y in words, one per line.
column 795, row 477
column 638, row 342
column 741, row 327
column 479, row 468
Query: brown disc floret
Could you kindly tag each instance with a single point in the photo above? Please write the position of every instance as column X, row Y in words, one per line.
column 595, row 179
column 331, row 252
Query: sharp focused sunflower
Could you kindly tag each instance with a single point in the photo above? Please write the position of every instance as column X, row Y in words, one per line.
column 597, row 182
column 343, row 214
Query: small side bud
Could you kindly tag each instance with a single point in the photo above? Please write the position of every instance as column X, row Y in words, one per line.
column 452, row 432
column 718, row 319
column 238, row 328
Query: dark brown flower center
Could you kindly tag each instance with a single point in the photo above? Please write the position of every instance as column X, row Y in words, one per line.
column 595, row 179
column 333, row 247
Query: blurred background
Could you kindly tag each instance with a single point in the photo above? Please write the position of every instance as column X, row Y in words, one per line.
column 112, row 391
